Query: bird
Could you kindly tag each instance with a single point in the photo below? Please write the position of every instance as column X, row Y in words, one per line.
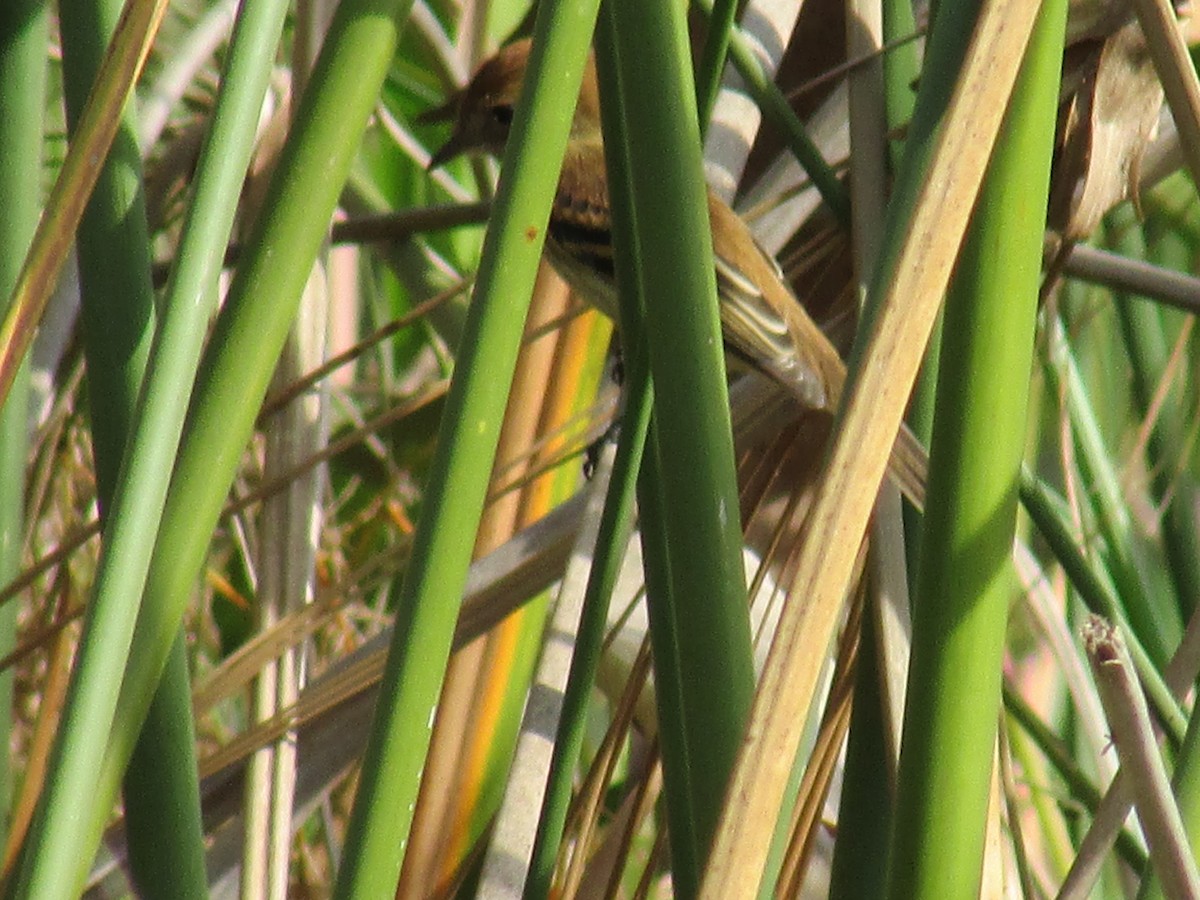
column 763, row 324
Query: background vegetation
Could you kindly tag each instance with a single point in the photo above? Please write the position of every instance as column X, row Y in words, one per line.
column 293, row 517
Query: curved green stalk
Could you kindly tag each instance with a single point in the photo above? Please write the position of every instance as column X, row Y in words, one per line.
column 1152, row 613
column 901, row 73
column 162, row 797
column 1045, row 510
column 964, row 578
column 84, row 769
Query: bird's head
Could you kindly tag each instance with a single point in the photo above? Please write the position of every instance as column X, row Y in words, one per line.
column 483, row 111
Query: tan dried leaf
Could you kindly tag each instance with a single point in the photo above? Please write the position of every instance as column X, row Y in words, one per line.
column 1107, row 123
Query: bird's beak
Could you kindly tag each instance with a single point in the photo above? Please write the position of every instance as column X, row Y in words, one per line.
column 455, row 146
column 447, row 112
column 444, row 113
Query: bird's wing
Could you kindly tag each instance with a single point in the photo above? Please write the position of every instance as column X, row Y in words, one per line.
column 764, row 324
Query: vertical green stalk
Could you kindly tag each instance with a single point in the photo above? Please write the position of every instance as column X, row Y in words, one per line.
column 428, row 603
column 612, row 540
column 117, row 315
column 688, row 497
column 901, row 70
column 963, row 585
column 616, row 524
column 712, row 58
column 162, row 797
column 163, row 830
column 23, row 36
column 865, row 808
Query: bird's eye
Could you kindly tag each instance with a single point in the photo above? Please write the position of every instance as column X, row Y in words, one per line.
column 502, row 115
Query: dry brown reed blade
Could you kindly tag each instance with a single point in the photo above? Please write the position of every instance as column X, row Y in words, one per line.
column 1106, row 124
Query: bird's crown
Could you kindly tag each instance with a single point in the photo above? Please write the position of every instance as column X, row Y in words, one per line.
column 483, row 110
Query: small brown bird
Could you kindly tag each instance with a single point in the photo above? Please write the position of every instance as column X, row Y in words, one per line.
column 763, row 324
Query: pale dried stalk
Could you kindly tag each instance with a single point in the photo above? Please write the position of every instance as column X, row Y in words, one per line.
column 290, row 529
column 1175, row 70
column 870, row 421
column 1129, row 718
column 476, row 673
column 510, row 852
column 1109, row 817
column 868, row 191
